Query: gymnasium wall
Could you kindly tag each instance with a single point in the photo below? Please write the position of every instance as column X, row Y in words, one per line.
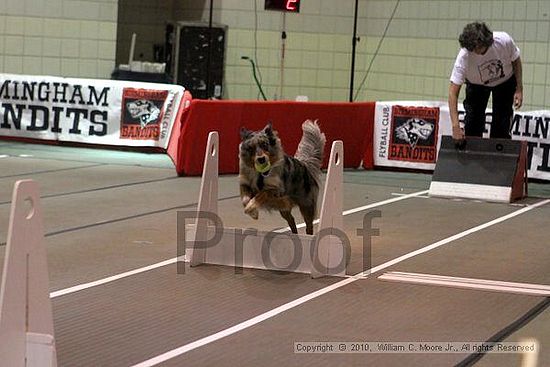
column 413, row 61
column 58, row 37
column 79, row 39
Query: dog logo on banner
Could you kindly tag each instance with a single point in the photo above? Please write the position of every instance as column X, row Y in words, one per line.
column 413, row 130
column 142, row 113
column 144, row 110
column 414, row 134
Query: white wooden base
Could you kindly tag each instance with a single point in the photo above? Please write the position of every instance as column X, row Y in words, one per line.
column 471, row 191
column 264, row 250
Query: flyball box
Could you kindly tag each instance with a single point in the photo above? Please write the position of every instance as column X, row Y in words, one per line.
column 482, row 169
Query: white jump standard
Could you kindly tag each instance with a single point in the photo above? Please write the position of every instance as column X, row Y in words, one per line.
column 26, row 320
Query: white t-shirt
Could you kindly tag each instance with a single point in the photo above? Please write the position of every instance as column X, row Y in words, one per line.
column 490, row 69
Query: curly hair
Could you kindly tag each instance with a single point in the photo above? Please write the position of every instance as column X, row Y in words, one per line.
column 474, row 35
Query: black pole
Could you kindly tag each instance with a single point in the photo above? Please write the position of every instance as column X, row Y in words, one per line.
column 353, row 44
column 209, row 51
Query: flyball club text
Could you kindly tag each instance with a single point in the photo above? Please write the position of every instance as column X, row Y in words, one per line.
column 67, row 101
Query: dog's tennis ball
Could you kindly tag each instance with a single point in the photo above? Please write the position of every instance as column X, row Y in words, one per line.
column 262, row 168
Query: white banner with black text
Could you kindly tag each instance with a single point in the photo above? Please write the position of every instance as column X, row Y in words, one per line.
column 94, row 111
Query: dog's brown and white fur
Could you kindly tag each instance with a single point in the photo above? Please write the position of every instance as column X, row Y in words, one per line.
column 290, row 182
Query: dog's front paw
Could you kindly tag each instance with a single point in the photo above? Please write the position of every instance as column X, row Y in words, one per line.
column 254, row 214
column 252, row 211
column 245, row 200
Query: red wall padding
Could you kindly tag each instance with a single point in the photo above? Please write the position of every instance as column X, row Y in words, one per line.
column 350, row 122
column 173, row 144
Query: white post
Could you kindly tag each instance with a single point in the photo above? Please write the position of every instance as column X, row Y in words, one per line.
column 26, row 321
column 329, row 257
column 208, row 199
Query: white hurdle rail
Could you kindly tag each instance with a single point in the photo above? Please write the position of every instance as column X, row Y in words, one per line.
column 26, row 320
column 270, row 250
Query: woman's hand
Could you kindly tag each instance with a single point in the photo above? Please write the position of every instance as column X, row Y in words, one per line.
column 458, row 133
column 518, row 98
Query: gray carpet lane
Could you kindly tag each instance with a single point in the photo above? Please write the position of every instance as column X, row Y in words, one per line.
column 17, row 168
column 113, row 229
column 512, row 251
column 127, row 321
column 82, row 179
column 411, row 224
column 262, row 284
column 367, row 310
column 92, row 254
column 83, row 154
column 95, row 208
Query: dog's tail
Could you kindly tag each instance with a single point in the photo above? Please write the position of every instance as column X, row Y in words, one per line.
column 311, row 147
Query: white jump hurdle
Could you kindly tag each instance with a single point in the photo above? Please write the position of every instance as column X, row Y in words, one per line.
column 318, row 255
column 26, row 321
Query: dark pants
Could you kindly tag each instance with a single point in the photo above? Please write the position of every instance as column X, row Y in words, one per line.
column 477, row 97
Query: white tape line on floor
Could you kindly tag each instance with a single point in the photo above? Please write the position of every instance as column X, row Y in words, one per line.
column 80, row 287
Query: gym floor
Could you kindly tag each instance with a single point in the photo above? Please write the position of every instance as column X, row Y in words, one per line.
column 118, row 299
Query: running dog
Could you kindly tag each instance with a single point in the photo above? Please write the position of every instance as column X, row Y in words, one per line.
column 272, row 180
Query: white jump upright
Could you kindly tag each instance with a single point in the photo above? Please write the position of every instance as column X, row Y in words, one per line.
column 208, row 197
column 285, row 251
column 26, row 320
column 329, row 249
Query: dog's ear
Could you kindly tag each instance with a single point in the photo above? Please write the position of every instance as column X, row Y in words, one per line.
column 268, row 129
column 245, row 133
